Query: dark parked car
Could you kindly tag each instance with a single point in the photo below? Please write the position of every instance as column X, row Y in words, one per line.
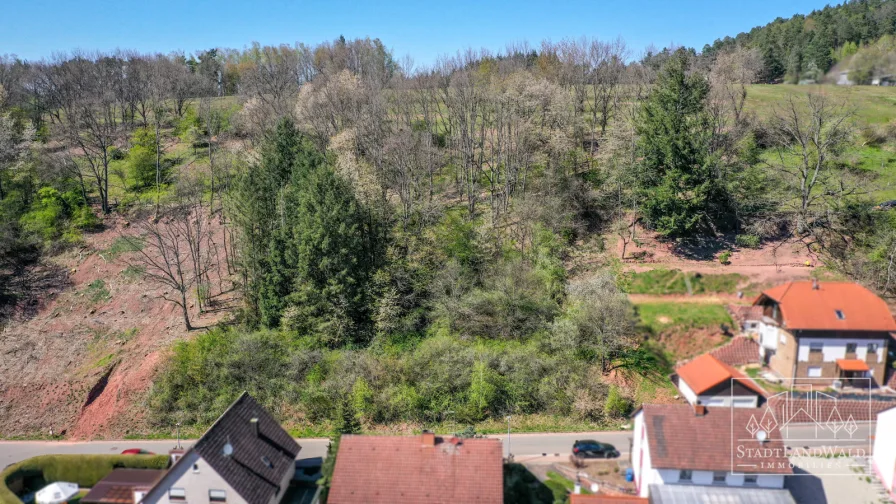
column 589, row 448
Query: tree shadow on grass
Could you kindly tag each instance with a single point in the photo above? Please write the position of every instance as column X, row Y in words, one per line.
column 702, row 249
column 522, row 487
column 26, row 288
column 805, row 487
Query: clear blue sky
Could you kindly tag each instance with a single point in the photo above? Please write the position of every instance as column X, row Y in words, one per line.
column 424, row 29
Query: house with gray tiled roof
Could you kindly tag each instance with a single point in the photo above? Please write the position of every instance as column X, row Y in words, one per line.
column 245, row 457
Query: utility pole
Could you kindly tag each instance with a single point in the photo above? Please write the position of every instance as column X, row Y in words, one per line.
column 177, row 430
column 508, row 437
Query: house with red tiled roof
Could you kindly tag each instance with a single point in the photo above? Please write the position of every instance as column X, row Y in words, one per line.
column 680, row 444
column 826, row 331
column 425, row 468
column 708, row 381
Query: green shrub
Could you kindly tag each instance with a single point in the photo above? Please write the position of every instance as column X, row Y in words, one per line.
column 617, row 405
column 46, row 215
column 84, row 218
column 142, row 158
column 189, row 126
column 725, row 257
column 85, row 470
column 116, row 154
column 747, row 241
column 54, row 215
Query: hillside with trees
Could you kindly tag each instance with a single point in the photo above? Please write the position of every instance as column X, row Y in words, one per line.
column 805, row 47
column 344, row 234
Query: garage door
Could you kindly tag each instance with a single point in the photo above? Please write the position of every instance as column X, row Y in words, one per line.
column 714, row 402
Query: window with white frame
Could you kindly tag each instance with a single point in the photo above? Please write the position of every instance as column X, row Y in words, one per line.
column 850, row 348
column 177, row 494
column 685, row 475
column 195, row 468
column 816, row 346
column 217, row 495
column 750, row 479
column 718, row 477
column 872, row 347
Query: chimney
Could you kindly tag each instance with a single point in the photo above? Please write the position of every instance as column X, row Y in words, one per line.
column 699, row 410
column 428, row 439
column 254, row 423
column 814, row 284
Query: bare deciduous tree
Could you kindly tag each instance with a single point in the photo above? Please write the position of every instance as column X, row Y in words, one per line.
column 812, row 130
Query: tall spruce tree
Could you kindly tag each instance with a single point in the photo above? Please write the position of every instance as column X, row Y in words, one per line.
column 682, row 196
column 310, row 247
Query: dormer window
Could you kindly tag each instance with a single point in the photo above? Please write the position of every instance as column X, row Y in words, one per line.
column 840, row 315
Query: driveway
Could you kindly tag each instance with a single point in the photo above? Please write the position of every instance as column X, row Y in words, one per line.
column 819, row 480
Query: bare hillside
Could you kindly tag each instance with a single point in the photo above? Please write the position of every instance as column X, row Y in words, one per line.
column 79, row 357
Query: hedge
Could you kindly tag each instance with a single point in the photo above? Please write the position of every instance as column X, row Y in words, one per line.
column 85, row 470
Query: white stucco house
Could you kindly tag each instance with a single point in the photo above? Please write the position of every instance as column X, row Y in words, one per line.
column 708, row 381
column 883, row 459
column 680, row 444
column 245, row 457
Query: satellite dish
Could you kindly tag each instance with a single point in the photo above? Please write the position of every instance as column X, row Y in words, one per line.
column 228, row 449
column 761, row 436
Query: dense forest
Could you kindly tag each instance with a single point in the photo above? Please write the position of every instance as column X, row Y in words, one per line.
column 403, row 238
column 805, row 47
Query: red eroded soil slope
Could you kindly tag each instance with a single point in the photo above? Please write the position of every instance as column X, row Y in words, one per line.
column 81, row 363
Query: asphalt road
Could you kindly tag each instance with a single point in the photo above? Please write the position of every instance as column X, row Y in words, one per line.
column 530, row 447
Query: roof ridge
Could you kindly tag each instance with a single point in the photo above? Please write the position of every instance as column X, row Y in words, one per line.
column 221, row 417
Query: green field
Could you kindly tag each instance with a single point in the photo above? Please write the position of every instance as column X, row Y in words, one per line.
column 658, row 317
column 873, row 104
column 664, row 281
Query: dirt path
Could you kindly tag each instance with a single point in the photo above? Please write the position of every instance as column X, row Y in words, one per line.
column 683, row 298
column 772, row 263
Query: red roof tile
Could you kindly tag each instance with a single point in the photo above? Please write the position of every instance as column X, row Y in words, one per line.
column 680, row 439
column 389, row 469
column 803, row 410
column 804, row 307
column 852, row 365
column 706, row 371
column 739, row 351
